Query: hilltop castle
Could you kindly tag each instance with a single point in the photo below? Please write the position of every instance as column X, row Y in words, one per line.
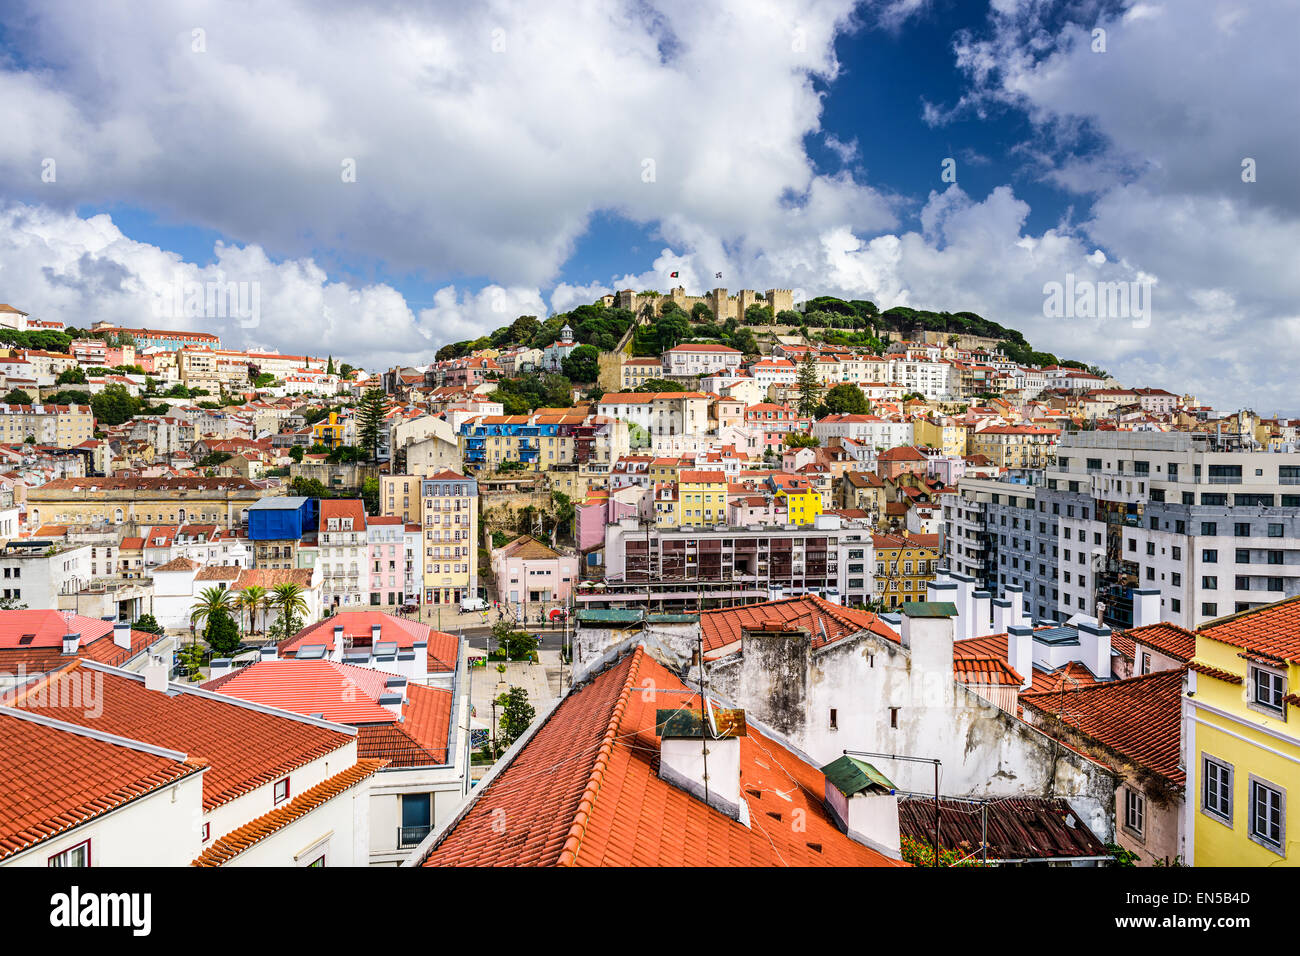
column 723, row 306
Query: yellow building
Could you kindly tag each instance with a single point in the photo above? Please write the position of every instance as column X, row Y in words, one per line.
column 664, row 470
column 950, row 438
column 63, row 426
column 1015, row 446
column 698, row 498
column 399, row 497
column 1241, row 748
column 635, row 372
column 803, row 502
column 143, row 501
column 450, row 524
column 904, row 564
column 329, row 432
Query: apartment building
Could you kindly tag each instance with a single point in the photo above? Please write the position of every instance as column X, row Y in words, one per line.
column 1015, row 446
column 386, row 537
column 344, row 553
column 678, row 569
column 399, row 497
column 699, row 359
column 63, row 426
column 1216, row 530
column 450, row 512
column 133, row 501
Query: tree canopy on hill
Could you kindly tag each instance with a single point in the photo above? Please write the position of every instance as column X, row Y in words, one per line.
column 41, row 340
column 519, row 396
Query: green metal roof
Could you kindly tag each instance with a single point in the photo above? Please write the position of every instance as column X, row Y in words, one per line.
column 613, row 615
column 672, row 618
column 930, row 609
column 852, row 776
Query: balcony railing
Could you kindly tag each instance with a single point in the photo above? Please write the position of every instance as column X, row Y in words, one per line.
column 411, row 836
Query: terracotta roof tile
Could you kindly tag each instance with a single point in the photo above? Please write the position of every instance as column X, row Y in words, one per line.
column 1273, row 629
column 55, row 778
column 1177, row 642
column 250, row 834
column 585, row 791
column 724, row 627
column 1139, row 718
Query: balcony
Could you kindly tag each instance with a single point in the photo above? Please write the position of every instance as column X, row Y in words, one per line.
column 411, row 836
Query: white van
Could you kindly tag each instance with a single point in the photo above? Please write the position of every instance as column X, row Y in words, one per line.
column 473, row 604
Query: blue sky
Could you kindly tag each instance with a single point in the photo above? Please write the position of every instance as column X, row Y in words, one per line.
column 501, row 155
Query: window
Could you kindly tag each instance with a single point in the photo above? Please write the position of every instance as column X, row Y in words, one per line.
column 207, row 832
column 1209, row 528
column 282, row 790
column 1241, row 529
column 1209, row 610
column 1267, row 814
column 1216, row 789
column 1175, row 552
column 1210, row 556
column 1268, row 688
column 834, row 719
column 1276, row 530
column 893, row 717
column 417, row 819
column 1135, row 811
column 1175, row 604
column 1146, row 664
column 78, row 855
column 1243, row 555
column 1210, row 582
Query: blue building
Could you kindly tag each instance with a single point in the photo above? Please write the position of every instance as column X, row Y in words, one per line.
column 280, row 519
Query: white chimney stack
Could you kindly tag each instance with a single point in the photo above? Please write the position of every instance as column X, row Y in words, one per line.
column 965, row 606
column 927, row 631
column 1003, row 615
column 221, row 666
column 122, row 636
column 71, row 642
column 1094, row 641
column 1016, row 595
column 864, row 803
column 1146, row 606
column 980, row 618
column 1020, row 652
column 690, row 743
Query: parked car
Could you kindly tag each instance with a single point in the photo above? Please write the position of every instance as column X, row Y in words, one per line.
column 473, row 604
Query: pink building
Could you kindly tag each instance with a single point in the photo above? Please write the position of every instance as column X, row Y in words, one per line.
column 528, row 572
column 386, row 537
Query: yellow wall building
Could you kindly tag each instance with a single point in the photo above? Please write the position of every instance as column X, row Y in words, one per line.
column 904, row 564
column 1241, row 745
column 329, row 432
column 950, row 438
column 701, row 500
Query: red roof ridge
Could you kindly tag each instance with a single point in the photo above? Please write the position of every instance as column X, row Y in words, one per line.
column 569, row 852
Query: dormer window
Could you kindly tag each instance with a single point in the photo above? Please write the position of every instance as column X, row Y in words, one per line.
column 281, row 790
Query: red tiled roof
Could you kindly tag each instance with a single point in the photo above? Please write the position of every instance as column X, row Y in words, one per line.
column 237, row 841
column 245, row 747
column 585, row 791
column 55, row 778
column 443, row 648
column 1216, row 672
column 1273, row 629
column 1177, row 642
column 1139, row 718
column 724, row 626
column 1018, row 828
column 33, row 639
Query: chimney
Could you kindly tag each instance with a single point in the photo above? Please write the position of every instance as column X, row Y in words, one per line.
column 1094, row 643
column 1020, row 652
column 1146, row 607
column 1003, row 615
column 156, row 674
column 394, row 695
column 864, row 803
column 70, row 643
column 375, row 631
column 965, row 606
column 221, row 666
column 338, row 640
column 1016, row 595
column 927, row 632
column 690, row 741
column 979, row 625
column 122, row 635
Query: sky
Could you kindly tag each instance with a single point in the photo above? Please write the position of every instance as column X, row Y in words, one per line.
column 380, row 178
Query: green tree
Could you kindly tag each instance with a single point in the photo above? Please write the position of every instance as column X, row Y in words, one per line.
column 808, row 384
column 846, row 399
column 74, row 375
column 371, row 414
column 800, row 440
column 253, row 599
column 701, row 313
column 564, row 511
column 516, row 715
column 147, row 623
column 209, row 602
column 512, row 644
column 345, row 370
column 370, row 495
column 114, row 405
column 221, row 633
column 214, row 459
column 296, row 453
column 582, row 364
column 329, row 366
column 17, row 397
column 291, row 601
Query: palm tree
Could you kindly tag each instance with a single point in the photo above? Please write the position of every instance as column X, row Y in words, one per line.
column 209, row 602
column 253, row 599
column 291, row 602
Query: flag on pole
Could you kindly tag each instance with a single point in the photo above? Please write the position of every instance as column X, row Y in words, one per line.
column 717, row 275
column 672, row 275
